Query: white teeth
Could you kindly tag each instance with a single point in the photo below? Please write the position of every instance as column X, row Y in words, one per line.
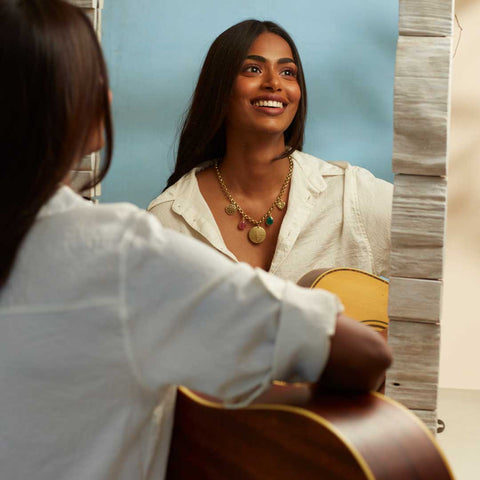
column 268, row 103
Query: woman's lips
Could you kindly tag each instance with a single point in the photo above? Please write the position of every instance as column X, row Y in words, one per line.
column 268, row 103
column 269, row 106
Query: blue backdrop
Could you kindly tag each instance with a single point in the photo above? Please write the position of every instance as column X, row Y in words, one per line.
column 155, row 49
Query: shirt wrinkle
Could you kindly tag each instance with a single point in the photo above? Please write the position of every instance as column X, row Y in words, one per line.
column 361, row 225
column 124, row 312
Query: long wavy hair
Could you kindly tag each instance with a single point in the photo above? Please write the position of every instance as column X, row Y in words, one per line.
column 53, row 95
column 202, row 136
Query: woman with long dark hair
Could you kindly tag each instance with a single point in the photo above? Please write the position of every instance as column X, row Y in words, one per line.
column 241, row 182
column 102, row 311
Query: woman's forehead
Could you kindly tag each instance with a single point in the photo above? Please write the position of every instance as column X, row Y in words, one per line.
column 270, row 46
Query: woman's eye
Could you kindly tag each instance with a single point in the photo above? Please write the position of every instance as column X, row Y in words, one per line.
column 289, row 72
column 252, row 69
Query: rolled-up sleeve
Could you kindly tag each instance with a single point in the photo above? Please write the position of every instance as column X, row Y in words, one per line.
column 194, row 318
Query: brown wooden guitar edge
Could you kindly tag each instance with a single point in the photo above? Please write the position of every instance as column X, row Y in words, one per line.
column 347, row 437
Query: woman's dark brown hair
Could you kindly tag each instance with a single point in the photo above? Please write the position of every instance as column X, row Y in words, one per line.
column 53, row 95
column 203, row 134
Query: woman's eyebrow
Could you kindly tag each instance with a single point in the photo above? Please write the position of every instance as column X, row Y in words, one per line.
column 286, row 60
column 259, row 58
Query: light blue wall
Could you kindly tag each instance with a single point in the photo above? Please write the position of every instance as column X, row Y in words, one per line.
column 154, row 50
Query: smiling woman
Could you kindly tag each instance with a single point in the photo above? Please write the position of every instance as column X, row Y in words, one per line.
column 268, row 83
column 242, row 183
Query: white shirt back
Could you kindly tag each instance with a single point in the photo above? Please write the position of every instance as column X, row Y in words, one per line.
column 106, row 311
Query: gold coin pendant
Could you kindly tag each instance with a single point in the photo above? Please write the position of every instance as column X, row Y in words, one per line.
column 280, row 204
column 230, row 209
column 257, row 234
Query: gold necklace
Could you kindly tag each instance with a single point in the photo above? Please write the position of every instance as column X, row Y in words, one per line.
column 256, row 234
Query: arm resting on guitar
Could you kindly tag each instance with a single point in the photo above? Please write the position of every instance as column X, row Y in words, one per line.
column 358, row 358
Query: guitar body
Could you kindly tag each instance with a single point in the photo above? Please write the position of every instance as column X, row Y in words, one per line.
column 334, row 437
column 364, row 296
column 337, row 437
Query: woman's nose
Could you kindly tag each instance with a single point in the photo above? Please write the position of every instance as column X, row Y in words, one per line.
column 272, row 82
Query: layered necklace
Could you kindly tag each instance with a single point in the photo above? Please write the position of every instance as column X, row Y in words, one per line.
column 257, row 233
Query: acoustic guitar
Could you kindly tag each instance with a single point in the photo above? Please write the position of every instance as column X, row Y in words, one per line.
column 344, row 437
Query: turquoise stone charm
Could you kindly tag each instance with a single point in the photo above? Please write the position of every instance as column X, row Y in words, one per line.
column 269, row 220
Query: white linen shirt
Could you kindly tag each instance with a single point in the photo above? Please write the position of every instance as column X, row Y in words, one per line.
column 105, row 310
column 338, row 216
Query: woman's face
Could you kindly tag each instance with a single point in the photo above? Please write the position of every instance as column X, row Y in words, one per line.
column 266, row 92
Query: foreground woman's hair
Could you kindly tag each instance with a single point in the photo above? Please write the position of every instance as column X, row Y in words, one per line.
column 54, row 94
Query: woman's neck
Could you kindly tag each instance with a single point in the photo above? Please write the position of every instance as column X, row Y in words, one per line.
column 250, row 167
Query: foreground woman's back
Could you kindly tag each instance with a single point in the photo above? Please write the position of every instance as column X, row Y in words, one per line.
column 105, row 310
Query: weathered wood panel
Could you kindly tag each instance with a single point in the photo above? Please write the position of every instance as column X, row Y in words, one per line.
column 421, row 112
column 413, row 378
column 84, row 3
column 426, row 17
column 415, row 299
column 98, row 25
column 421, row 122
column 418, row 226
column 79, row 179
column 89, row 162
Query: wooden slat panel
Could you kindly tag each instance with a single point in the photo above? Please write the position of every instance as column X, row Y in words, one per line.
column 84, row 3
column 413, row 377
column 423, row 57
column 421, row 97
column 418, row 226
column 426, row 17
column 99, row 24
column 415, row 299
column 421, row 122
column 78, row 180
column 417, row 262
column 429, row 418
column 89, row 162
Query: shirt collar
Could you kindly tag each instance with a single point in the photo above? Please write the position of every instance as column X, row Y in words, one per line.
column 309, row 172
column 187, row 187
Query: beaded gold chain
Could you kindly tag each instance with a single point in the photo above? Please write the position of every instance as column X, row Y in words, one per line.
column 256, row 234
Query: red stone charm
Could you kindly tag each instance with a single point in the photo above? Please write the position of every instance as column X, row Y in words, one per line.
column 242, row 224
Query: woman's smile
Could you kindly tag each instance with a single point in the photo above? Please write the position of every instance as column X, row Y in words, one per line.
column 270, row 105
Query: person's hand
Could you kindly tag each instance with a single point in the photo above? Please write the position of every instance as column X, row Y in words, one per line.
column 358, row 358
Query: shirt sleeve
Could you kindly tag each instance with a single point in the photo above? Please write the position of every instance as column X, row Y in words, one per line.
column 375, row 206
column 191, row 317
